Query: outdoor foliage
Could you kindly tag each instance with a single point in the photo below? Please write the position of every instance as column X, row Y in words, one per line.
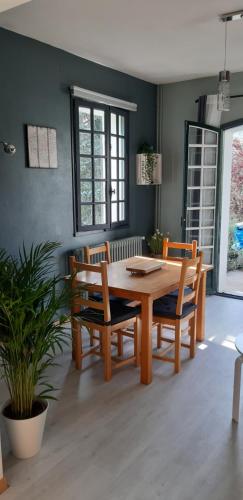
column 236, row 201
column 236, row 195
column 31, row 325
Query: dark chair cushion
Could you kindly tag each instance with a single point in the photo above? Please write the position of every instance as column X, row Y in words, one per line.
column 98, row 296
column 119, row 313
column 166, row 308
column 174, row 294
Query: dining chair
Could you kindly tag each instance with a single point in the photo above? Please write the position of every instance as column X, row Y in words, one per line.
column 188, row 247
column 168, row 312
column 103, row 251
column 108, row 317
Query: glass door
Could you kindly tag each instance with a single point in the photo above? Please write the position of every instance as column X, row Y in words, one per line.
column 202, row 145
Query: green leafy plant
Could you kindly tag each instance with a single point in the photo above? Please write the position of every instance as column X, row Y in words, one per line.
column 155, row 242
column 31, row 325
column 150, row 162
column 233, row 253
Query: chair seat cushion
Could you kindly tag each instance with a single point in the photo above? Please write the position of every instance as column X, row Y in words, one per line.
column 174, row 294
column 98, row 296
column 165, row 307
column 119, row 313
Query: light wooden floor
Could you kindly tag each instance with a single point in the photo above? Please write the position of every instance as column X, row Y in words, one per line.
column 172, row 440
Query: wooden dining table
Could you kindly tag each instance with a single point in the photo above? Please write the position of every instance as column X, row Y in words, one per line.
column 146, row 289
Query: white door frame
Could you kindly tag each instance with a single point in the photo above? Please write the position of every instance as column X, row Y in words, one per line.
column 225, row 205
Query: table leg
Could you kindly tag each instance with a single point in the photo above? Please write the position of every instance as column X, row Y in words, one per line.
column 146, row 341
column 201, row 308
column 236, row 394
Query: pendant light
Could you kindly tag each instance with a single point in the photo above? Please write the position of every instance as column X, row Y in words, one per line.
column 223, row 103
column 224, row 81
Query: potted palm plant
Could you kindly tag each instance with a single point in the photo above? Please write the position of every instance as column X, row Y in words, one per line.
column 31, row 332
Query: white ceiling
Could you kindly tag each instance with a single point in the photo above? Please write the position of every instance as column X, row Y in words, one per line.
column 157, row 40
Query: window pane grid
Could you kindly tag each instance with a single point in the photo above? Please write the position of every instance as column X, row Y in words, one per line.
column 201, row 188
column 101, row 169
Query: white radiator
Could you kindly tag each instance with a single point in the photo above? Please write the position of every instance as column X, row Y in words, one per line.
column 120, row 249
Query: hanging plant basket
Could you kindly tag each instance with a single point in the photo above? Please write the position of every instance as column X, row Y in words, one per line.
column 148, row 166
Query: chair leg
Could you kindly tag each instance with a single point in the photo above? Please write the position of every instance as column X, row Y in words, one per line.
column 137, row 341
column 73, row 328
column 106, row 342
column 119, row 344
column 91, row 332
column 177, row 347
column 78, row 347
column 159, row 332
column 192, row 324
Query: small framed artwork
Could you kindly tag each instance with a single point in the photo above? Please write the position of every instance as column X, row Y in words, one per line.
column 42, row 147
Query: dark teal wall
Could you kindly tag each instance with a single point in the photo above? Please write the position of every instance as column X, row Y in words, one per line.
column 36, row 205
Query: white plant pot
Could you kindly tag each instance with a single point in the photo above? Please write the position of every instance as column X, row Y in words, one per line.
column 26, row 435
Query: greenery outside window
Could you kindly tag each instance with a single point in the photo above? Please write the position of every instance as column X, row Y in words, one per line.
column 101, row 166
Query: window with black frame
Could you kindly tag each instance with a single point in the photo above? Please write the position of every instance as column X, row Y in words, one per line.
column 101, row 166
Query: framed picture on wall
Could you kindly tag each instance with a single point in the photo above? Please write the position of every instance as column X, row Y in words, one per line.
column 42, row 147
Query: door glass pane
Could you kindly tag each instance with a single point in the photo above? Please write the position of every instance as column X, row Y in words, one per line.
column 99, row 144
column 86, row 191
column 121, row 125
column 195, row 135
column 113, row 169
column 99, row 120
column 192, row 218
column 86, row 215
column 207, row 237
column 121, row 190
column 193, row 197
column 121, row 148
column 210, row 137
column 121, row 211
column 100, row 191
column 210, row 156
column 207, row 255
column 113, row 146
column 85, row 168
column 207, row 217
column 114, row 212
column 113, row 123
column 121, row 169
column 99, row 168
column 208, row 197
column 114, row 191
column 195, row 156
column 209, row 176
column 192, row 235
column 100, row 214
column 194, row 177
column 85, row 143
column 84, row 118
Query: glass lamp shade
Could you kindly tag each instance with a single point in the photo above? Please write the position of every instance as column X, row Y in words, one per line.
column 224, row 91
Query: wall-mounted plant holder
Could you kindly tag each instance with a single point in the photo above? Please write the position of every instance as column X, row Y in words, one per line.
column 149, row 169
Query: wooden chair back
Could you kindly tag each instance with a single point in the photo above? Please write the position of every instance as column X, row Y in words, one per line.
column 191, row 247
column 104, row 250
column 84, row 299
column 190, row 277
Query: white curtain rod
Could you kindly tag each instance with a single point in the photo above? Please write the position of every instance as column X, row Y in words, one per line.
column 89, row 95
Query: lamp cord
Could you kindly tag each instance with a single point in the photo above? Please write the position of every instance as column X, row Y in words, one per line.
column 225, row 45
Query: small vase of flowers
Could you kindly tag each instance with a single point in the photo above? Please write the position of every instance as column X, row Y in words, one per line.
column 155, row 243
